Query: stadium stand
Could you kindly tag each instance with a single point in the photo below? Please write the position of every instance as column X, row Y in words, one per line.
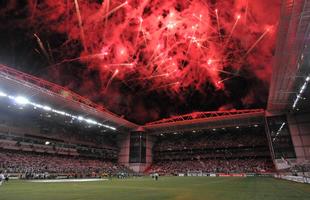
column 214, row 151
column 35, row 146
column 42, row 165
column 213, row 166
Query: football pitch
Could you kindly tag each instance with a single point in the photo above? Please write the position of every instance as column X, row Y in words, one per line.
column 166, row 188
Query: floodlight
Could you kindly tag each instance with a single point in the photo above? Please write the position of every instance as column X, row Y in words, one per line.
column 47, row 108
column 80, row 118
column 2, row 94
column 21, row 100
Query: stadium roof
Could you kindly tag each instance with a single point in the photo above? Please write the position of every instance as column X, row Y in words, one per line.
column 291, row 72
column 21, row 84
column 208, row 120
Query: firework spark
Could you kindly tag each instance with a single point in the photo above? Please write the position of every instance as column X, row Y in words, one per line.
column 257, row 41
column 171, row 47
column 41, row 45
column 77, row 8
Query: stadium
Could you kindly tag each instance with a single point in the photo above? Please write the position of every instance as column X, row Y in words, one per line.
column 154, row 99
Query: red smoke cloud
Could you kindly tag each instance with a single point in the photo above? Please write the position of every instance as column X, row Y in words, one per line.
column 163, row 46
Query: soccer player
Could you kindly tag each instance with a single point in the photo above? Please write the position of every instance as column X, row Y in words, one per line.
column 2, row 178
column 156, row 176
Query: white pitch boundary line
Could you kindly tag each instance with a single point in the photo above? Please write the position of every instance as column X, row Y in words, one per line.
column 67, row 180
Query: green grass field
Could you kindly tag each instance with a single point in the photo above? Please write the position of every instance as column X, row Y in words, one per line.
column 172, row 188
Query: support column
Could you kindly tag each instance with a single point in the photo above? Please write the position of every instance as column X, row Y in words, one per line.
column 123, row 143
column 136, row 150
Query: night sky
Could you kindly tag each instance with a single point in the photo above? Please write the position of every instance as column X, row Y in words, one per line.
column 146, row 59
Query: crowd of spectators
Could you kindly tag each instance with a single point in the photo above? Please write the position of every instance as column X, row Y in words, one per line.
column 35, row 163
column 237, row 150
column 214, row 139
column 213, row 166
column 185, row 154
column 304, row 167
column 41, row 146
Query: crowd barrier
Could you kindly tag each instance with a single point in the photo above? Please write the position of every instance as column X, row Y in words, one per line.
column 298, row 179
column 226, row 174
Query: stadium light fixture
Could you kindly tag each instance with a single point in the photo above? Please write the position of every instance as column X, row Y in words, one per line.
column 47, row 143
column 301, row 91
column 21, row 100
column 47, row 108
column 80, row 118
column 35, row 105
column 296, row 101
column 109, row 127
column 2, row 94
column 90, row 121
column 59, row 112
column 280, row 129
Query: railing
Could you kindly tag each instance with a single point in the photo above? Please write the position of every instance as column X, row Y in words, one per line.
column 206, row 115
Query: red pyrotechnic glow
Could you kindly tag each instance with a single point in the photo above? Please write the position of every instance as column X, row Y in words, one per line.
column 177, row 43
